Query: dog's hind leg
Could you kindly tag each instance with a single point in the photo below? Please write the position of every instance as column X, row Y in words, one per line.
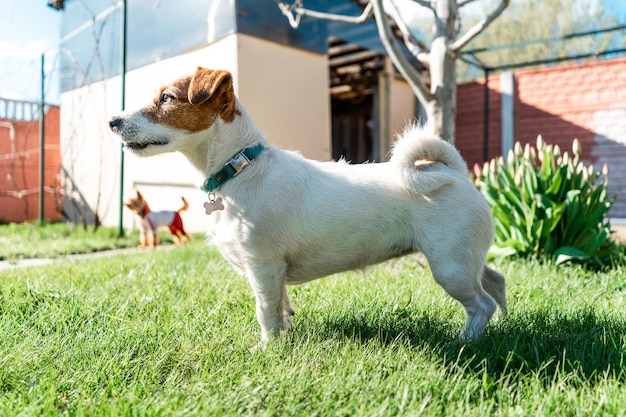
column 176, row 237
column 273, row 307
column 495, row 284
column 177, row 229
column 464, row 283
column 182, row 235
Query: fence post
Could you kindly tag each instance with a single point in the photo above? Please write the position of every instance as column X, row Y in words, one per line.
column 42, row 134
column 120, row 226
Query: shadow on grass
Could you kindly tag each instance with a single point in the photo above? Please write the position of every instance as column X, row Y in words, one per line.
column 541, row 343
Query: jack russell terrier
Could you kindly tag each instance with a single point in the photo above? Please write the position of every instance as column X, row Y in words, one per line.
column 281, row 219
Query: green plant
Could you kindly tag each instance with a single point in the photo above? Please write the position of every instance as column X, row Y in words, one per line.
column 549, row 204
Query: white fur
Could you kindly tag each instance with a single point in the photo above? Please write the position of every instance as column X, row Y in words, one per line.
column 289, row 220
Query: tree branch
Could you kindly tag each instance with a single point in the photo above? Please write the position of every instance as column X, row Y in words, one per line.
column 464, row 3
column 295, row 12
column 479, row 27
column 397, row 57
column 425, row 3
column 415, row 46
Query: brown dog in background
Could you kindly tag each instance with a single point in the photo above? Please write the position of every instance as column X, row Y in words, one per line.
column 150, row 221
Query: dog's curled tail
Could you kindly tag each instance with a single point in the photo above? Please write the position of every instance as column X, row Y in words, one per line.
column 185, row 205
column 418, row 154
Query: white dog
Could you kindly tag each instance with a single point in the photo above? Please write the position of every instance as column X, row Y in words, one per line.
column 282, row 219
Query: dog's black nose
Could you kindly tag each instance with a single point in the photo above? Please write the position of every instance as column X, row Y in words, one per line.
column 115, row 122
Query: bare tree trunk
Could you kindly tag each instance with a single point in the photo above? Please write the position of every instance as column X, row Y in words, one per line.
column 441, row 111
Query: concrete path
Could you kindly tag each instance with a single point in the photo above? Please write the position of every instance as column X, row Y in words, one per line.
column 619, row 226
column 25, row 263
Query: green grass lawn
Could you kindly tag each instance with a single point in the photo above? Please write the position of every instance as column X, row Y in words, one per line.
column 168, row 333
column 29, row 240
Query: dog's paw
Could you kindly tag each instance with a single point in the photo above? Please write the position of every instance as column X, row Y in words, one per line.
column 261, row 346
column 279, row 337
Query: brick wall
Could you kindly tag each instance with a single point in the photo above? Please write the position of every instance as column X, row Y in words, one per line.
column 19, row 165
column 584, row 101
column 470, row 120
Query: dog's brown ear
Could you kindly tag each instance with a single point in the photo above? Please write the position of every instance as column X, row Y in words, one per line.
column 209, row 84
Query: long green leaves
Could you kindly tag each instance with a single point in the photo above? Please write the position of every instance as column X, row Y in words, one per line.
column 549, row 204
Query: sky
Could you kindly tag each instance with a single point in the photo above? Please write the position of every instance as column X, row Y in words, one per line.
column 30, row 28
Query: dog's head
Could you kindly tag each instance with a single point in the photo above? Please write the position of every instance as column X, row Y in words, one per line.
column 189, row 105
column 136, row 203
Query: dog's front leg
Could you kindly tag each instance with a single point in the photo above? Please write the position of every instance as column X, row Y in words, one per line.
column 155, row 239
column 143, row 240
column 273, row 307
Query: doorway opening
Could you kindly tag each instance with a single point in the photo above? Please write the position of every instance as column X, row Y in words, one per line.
column 354, row 94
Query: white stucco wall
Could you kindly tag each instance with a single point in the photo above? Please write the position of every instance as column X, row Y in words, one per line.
column 402, row 106
column 286, row 91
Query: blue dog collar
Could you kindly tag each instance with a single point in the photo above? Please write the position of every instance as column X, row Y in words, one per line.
column 232, row 168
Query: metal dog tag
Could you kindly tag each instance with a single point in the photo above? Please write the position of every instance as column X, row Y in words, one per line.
column 214, row 204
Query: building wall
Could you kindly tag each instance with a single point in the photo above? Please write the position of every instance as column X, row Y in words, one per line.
column 286, row 91
column 19, row 167
column 402, row 107
column 583, row 101
column 470, row 120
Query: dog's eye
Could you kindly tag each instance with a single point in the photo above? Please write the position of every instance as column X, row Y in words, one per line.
column 165, row 98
